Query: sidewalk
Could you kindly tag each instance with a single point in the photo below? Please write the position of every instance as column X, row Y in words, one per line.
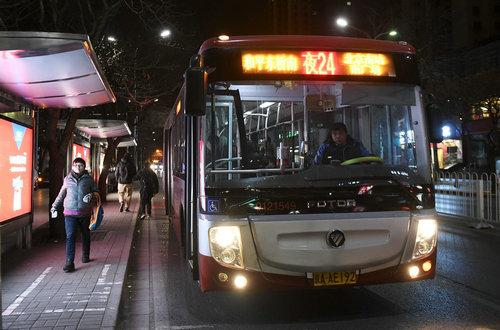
column 36, row 293
column 467, row 224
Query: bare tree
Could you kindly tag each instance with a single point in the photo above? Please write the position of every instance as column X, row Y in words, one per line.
column 108, row 159
column 58, row 147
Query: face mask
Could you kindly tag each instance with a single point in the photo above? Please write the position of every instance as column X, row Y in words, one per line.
column 78, row 168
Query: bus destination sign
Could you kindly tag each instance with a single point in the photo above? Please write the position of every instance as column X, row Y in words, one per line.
column 321, row 63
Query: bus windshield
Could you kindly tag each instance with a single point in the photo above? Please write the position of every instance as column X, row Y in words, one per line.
column 294, row 133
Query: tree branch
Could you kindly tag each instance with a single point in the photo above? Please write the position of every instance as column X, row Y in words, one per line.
column 54, row 115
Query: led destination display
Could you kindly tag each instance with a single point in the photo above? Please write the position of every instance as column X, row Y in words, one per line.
column 321, row 63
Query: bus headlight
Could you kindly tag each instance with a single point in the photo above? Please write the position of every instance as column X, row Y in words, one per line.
column 225, row 245
column 426, row 238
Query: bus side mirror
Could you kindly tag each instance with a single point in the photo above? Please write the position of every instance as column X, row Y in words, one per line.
column 195, row 79
column 434, row 123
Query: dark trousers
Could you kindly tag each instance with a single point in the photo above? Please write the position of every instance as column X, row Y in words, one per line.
column 71, row 223
column 145, row 207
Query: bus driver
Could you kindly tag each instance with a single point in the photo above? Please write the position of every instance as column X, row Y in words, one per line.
column 339, row 146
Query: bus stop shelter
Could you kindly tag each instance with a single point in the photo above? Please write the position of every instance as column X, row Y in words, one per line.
column 39, row 71
column 96, row 132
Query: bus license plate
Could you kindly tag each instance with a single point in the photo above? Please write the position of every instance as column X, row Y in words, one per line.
column 334, row 278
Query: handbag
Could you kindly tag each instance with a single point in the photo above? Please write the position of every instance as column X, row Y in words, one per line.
column 97, row 213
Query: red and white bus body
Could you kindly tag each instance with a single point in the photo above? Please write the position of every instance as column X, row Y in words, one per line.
column 251, row 207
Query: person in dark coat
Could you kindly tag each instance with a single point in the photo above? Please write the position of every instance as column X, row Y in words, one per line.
column 124, row 173
column 339, row 146
column 76, row 195
column 149, row 187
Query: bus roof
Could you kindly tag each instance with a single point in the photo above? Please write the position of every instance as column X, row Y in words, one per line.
column 308, row 41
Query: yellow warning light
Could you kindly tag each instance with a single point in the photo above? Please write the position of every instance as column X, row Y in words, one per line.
column 178, row 108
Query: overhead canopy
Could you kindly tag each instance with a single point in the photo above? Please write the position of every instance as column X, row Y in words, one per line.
column 101, row 128
column 127, row 142
column 52, row 70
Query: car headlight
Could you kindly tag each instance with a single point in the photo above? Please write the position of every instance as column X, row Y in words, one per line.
column 225, row 245
column 426, row 238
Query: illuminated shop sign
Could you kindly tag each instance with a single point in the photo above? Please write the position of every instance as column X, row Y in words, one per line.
column 16, row 146
column 82, row 152
column 321, row 63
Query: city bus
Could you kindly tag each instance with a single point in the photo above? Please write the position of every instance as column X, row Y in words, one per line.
column 251, row 207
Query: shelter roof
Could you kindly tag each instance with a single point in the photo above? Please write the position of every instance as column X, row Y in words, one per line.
column 101, row 128
column 52, row 70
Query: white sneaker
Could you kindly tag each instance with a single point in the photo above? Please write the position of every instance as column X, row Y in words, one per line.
column 148, row 216
column 142, row 216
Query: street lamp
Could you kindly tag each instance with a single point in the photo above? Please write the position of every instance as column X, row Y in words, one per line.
column 165, row 33
column 342, row 22
column 446, row 131
column 391, row 33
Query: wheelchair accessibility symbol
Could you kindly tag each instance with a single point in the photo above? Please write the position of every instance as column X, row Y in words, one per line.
column 213, row 205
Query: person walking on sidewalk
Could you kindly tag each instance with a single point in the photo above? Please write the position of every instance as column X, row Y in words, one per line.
column 76, row 195
column 124, row 173
column 149, row 187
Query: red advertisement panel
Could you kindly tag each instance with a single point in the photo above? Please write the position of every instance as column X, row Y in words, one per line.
column 82, row 152
column 16, row 145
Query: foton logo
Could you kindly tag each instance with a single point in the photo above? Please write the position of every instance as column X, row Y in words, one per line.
column 331, row 204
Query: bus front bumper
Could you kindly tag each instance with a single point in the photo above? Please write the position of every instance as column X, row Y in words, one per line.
column 215, row 277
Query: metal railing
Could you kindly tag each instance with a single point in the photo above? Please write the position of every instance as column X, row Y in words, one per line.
column 469, row 195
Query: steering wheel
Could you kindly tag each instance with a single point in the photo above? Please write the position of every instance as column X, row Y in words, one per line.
column 359, row 160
